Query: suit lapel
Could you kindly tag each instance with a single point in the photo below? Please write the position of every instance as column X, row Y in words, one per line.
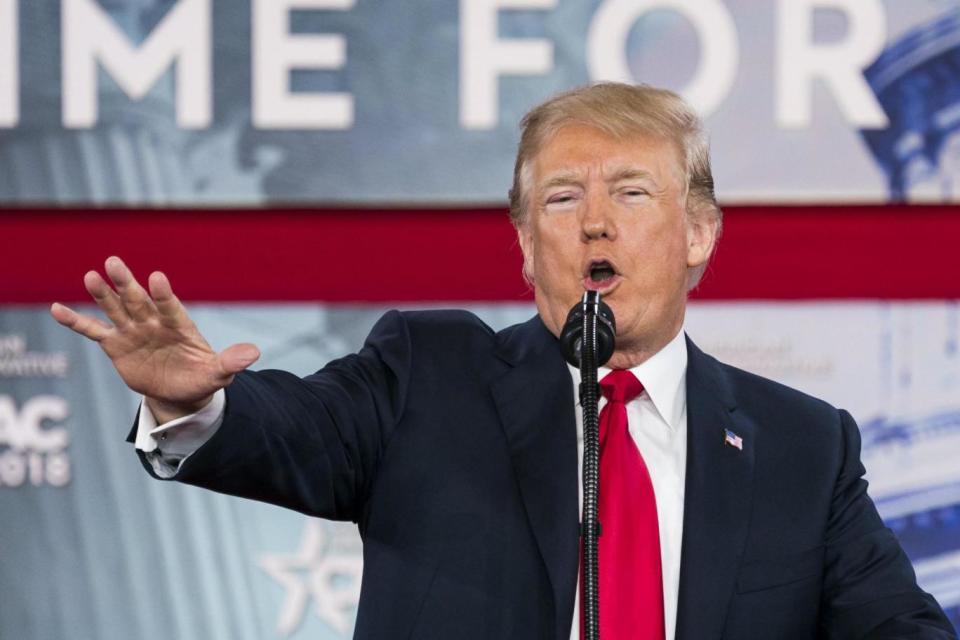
column 719, row 489
column 535, row 402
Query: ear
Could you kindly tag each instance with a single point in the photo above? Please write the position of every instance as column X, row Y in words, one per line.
column 525, row 238
column 701, row 238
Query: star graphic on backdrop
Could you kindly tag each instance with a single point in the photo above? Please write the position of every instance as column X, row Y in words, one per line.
column 331, row 579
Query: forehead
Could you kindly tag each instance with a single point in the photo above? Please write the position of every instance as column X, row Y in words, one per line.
column 588, row 151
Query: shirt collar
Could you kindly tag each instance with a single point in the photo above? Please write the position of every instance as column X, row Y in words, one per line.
column 663, row 376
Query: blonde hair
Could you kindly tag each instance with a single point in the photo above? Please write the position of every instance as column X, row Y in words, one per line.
column 622, row 110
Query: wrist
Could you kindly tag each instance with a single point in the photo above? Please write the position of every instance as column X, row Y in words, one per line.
column 164, row 411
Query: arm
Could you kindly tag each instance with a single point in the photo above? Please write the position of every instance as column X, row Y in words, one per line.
column 310, row 444
column 870, row 589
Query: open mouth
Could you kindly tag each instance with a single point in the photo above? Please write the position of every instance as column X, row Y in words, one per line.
column 600, row 275
column 601, row 272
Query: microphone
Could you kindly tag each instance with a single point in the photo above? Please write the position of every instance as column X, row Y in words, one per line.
column 587, row 343
column 571, row 337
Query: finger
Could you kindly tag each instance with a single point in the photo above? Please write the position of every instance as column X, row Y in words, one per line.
column 135, row 300
column 106, row 298
column 85, row 325
column 172, row 311
column 238, row 357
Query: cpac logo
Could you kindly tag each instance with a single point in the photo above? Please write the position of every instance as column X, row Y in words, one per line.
column 326, row 570
column 34, row 453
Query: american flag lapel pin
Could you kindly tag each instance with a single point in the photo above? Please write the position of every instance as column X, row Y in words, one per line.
column 732, row 439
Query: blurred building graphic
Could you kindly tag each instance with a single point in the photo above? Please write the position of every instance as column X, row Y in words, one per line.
column 917, row 81
column 917, row 491
column 136, row 155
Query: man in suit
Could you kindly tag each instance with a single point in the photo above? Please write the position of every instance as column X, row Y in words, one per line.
column 740, row 510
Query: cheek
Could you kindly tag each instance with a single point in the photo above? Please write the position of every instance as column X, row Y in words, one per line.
column 676, row 243
column 553, row 253
column 549, row 270
column 659, row 249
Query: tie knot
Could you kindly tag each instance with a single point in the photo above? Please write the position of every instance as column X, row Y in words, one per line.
column 620, row 385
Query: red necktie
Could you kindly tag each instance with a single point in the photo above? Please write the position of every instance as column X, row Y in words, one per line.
column 631, row 583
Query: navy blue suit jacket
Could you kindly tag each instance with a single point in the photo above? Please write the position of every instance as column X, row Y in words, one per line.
column 454, row 449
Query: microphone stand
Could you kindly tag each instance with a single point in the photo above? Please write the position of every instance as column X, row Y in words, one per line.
column 589, row 397
column 587, row 341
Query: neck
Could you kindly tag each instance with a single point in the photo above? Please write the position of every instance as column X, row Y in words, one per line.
column 631, row 359
column 630, row 354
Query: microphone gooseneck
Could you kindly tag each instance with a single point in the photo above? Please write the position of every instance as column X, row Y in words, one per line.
column 587, row 342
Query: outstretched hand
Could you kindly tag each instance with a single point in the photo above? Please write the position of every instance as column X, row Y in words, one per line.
column 152, row 342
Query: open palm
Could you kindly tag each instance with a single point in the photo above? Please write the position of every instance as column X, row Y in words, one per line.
column 152, row 342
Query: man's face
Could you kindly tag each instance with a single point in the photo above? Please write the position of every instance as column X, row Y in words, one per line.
column 608, row 214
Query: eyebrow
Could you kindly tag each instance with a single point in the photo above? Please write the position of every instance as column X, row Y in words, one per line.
column 561, row 180
column 630, row 173
column 568, row 178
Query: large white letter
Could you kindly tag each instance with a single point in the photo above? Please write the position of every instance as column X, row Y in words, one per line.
column 484, row 57
column 24, row 432
column 90, row 35
column 720, row 49
column 276, row 53
column 9, row 64
column 839, row 64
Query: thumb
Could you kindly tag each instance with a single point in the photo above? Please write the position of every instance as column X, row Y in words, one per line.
column 238, row 357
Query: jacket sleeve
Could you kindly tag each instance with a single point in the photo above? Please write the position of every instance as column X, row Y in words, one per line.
column 870, row 589
column 311, row 444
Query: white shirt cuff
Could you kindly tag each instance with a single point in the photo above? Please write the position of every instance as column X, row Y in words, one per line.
column 169, row 444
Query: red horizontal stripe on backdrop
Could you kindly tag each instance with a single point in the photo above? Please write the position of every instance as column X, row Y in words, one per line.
column 398, row 255
column 267, row 255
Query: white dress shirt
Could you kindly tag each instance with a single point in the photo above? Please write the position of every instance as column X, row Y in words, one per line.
column 658, row 424
column 169, row 444
column 657, row 419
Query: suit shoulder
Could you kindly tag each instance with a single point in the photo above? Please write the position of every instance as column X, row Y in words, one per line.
column 793, row 421
column 444, row 320
column 447, row 326
column 755, row 391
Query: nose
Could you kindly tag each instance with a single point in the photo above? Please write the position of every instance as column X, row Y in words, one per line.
column 596, row 218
